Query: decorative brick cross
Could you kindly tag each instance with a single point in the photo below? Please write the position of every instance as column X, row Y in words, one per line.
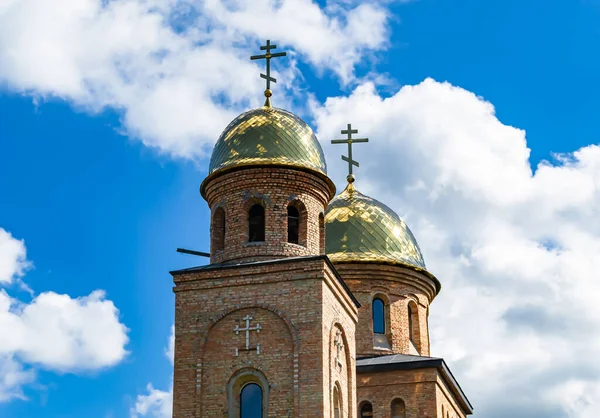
column 247, row 329
column 339, row 345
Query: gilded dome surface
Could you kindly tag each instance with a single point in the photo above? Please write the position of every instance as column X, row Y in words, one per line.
column 268, row 136
column 362, row 229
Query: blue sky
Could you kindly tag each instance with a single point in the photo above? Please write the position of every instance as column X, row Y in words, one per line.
column 102, row 198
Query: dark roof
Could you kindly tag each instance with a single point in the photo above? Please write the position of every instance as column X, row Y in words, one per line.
column 408, row 362
column 396, row 359
column 219, row 266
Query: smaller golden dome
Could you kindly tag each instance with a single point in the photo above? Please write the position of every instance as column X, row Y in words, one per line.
column 362, row 229
column 268, row 136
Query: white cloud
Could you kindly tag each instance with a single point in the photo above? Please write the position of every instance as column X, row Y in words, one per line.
column 13, row 376
column 516, row 250
column 157, row 403
column 13, row 258
column 63, row 333
column 178, row 71
column 53, row 331
column 170, row 352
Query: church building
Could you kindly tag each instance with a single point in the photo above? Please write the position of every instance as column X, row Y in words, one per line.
column 313, row 304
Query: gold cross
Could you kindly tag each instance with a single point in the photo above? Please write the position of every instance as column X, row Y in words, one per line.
column 267, row 56
column 349, row 141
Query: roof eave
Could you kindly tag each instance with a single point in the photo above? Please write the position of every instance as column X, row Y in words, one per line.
column 243, row 166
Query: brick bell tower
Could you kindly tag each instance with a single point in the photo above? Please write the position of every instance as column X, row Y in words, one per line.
column 267, row 328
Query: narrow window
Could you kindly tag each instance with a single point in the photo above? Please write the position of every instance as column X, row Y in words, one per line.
column 398, row 408
column 366, row 410
column 411, row 332
column 256, row 223
column 414, row 331
column 251, row 401
column 378, row 316
column 293, row 224
column 218, row 230
column 337, row 409
column 321, row 233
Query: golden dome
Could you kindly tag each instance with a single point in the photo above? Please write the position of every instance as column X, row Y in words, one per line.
column 268, row 136
column 362, row 229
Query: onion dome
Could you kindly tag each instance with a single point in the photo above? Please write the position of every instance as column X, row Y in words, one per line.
column 362, row 229
column 268, row 136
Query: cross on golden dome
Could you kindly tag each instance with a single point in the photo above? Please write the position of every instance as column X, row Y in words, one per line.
column 349, row 141
column 267, row 56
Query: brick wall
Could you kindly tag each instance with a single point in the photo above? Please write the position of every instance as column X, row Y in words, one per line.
column 417, row 388
column 447, row 407
column 297, row 302
column 339, row 318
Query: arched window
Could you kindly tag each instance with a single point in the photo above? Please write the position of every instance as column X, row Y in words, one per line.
column 378, row 316
column 248, row 394
column 321, row 233
column 411, row 332
column 256, row 223
column 366, row 410
column 293, row 216
column 218, row 230
column 251, row 402
column 398, row 408
column 413, row 325
column 337, row 407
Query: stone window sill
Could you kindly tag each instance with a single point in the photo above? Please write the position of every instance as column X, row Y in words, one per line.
column 295, row 245
column 253, row 243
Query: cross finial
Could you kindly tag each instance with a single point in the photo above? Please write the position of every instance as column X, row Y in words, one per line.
column 349, row 141
column 268, row 47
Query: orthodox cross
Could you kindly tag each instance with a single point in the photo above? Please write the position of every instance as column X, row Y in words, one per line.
column 339, row 345
column 268, row 47
column 349, row 141
column 247, row 329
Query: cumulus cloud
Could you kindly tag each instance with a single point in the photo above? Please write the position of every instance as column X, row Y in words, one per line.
column 53, row 331
column 516, row 249
column 177, row 70
column 63, row 333
column 157, row 403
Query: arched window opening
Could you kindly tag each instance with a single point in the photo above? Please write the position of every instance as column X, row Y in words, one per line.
column 218, row 230
column 321, row 233
column 378, row 316
column 398, row 408
column 413, row 325
column 366, row 410
column 256, row 223
column 337, row 407
column 411, row 332
column 251, row 402
column 293, row 216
